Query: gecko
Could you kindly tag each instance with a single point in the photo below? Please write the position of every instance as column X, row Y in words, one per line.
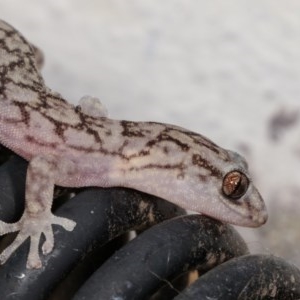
column 80, row 146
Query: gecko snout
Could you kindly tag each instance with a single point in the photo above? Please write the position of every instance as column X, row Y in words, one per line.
column 260, row 218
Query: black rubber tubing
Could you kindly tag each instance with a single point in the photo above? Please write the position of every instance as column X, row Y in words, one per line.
column 12, row 189
column 101, row 215
column 247, row 277
column 161, row 253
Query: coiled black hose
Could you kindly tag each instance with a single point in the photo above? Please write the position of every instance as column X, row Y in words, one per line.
column 142, row 266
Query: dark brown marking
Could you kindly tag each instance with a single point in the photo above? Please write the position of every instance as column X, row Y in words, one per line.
column 131, row 129
column 198, row 160
column 178, row 166
column 165, row 137
column 201, row 140
column 33, row 140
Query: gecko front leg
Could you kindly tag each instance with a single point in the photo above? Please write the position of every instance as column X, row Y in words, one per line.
column 42, row 173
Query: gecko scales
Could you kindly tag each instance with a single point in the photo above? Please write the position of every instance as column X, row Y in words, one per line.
column 73, row 147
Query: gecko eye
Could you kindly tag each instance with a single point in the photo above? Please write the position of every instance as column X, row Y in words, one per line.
column 235, row 184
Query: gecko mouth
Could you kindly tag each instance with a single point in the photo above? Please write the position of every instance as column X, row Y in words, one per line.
column 256, row 213
column 252, row 220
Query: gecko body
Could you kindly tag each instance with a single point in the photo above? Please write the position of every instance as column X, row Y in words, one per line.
column 73, row 147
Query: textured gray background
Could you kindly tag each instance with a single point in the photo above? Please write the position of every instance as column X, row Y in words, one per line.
column 227, row 69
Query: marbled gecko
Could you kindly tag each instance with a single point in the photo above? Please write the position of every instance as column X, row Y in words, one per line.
column 71, row 147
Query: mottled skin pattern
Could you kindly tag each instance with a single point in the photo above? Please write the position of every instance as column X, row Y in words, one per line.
column 68, row 146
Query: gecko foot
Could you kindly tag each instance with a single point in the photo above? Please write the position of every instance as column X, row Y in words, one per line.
column 33, row 227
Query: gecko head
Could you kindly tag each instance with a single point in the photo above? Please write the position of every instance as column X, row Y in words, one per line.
column 230, row 195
